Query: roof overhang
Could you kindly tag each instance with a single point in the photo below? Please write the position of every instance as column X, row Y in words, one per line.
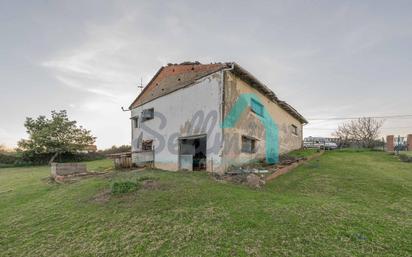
column 251, row 80
column 254, row 82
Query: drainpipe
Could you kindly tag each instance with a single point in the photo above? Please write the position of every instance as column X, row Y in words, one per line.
column 222, row 103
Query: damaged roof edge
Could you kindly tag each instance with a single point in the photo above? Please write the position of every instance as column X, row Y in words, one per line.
column 247, row 77
column 254, row 82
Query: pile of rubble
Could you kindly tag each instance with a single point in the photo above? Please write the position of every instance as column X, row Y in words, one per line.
column 255, row 174
column 251, row 174
column 250, row 179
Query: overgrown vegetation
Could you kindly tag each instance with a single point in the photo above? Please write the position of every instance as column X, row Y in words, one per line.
column 8, row 160
column 56, row 139
column 20, row 159
column 116, row 149
column 346, row 204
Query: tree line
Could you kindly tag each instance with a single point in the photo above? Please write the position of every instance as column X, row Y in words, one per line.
column 55, row 139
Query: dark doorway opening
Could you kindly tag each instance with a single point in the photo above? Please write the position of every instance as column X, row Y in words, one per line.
column 192, row 153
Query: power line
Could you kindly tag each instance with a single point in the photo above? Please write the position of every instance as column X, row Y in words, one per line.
column 375, row 117
column 382, row 128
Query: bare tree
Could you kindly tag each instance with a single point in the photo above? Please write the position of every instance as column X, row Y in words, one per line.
column 2, row 148
column 363, row 131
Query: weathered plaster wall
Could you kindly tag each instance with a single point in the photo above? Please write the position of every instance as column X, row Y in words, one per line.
column 250, row 125
column 179, row 108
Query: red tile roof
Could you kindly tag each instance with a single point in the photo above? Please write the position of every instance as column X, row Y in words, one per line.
column 173, row 77
column 176, row 76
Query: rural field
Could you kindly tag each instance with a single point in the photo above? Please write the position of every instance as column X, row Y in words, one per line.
column 344, row 204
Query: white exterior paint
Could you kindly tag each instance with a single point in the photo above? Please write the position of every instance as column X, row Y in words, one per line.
column 179, row 109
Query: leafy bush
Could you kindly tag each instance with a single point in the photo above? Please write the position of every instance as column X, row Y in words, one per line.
column 7, row 158
column 123, row 187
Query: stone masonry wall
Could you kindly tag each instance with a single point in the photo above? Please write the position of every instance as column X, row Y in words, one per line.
column 65, row 169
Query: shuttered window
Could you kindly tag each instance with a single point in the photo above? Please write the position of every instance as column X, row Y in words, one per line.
column 257, row 107
column 294, row 130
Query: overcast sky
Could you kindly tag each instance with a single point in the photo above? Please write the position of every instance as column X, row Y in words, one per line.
column 325, row 58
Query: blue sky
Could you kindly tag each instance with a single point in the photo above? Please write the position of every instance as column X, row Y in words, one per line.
column 325, row 58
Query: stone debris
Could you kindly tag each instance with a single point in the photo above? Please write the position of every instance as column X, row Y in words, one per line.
column 255, row 181
column 251, row 179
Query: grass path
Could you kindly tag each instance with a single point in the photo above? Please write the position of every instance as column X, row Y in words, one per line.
column 345, row 204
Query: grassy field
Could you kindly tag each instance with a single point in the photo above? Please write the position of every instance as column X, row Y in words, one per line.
column 345, row 204
column 303, row 152
column 409, row 153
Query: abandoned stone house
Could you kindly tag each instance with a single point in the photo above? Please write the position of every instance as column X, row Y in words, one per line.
column 210, row 116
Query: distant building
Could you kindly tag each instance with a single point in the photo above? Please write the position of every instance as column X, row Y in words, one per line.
column 322, row 139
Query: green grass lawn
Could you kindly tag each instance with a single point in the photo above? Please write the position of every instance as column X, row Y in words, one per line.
column 345, row 204
column 303, row 152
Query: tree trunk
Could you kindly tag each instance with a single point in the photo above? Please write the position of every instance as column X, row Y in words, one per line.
column 53, row 157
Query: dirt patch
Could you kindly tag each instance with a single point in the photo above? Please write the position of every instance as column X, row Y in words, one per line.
column 245, row 178
column 102, row 197
column 151, row 185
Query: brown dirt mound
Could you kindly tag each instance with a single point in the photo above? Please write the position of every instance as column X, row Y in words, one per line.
column 102, row 197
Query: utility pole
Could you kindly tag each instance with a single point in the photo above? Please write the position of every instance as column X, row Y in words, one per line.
column 141, row 84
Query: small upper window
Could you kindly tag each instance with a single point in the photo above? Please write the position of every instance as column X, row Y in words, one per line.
column 294, row 130
column 248, row 145
column 147, row 145
column 147, row 114
column 257, row 107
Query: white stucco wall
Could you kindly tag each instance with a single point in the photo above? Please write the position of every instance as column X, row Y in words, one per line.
column 179, row 108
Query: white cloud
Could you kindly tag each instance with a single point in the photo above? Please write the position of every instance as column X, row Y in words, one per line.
column 326, row 59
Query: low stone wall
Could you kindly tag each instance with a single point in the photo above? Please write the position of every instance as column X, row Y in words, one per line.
column 288, row 168
column 66, row 169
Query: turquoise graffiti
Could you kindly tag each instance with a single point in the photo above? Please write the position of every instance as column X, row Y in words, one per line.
column 271, row 129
